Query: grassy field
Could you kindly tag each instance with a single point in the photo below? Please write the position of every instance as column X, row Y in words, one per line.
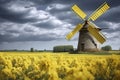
column 58, row 66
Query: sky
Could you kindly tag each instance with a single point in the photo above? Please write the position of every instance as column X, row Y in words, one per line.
column 43, row 24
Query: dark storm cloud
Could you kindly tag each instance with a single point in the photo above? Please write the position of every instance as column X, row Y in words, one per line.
column 113, row 17
column 11, row 16
column 86, row 5
column 46, row 25
column 89, row 6
column 42, row 2
column 59, row 9
column 3, row 2
column 16, row 17
column 107, row 24
column 2, row 20
column 43, row 37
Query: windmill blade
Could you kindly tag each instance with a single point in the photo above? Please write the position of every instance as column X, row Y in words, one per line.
column 79, row 12
column 96, row 33
column 98, row 12
column 75, row 30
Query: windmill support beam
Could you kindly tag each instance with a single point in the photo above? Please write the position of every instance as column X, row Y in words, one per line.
column 79, row 48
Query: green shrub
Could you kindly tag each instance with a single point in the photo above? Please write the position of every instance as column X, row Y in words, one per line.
column 63, row 48
column 107, row 48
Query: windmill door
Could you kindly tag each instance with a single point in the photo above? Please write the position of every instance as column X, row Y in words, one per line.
column 82, row 47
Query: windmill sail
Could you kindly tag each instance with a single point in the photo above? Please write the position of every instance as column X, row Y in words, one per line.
column 97, row 34
column 79, row 12
column 71, row 34
column 98, row 12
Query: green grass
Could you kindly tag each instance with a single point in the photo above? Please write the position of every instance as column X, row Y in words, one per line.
column 89, row 53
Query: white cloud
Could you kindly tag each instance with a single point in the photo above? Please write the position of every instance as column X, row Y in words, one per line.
column 113, row 10
column 18, row 6
column 11, row 26
column 15, row 30
column 112, row 35
column 37, row 14
column 60, row 27
column 56, row 6
column 113, row 30
column 54, row 21
column 112, row 25
column 114, row 42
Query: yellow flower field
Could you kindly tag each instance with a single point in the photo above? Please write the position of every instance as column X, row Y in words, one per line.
column 58, row 66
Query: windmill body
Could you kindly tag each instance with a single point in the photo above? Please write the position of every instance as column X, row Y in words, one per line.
column 90, row 36
column 87, row 42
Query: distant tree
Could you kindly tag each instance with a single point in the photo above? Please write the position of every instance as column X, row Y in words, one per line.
column 106, row 48
column 45, row 50
column 31, row 49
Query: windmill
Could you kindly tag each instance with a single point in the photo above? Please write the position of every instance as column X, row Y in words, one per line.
column 90, row 36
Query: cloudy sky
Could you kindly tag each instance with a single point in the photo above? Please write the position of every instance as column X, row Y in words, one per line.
column 42, row 24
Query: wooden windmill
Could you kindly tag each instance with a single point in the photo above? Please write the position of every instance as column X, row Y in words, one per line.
column 90, row 36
